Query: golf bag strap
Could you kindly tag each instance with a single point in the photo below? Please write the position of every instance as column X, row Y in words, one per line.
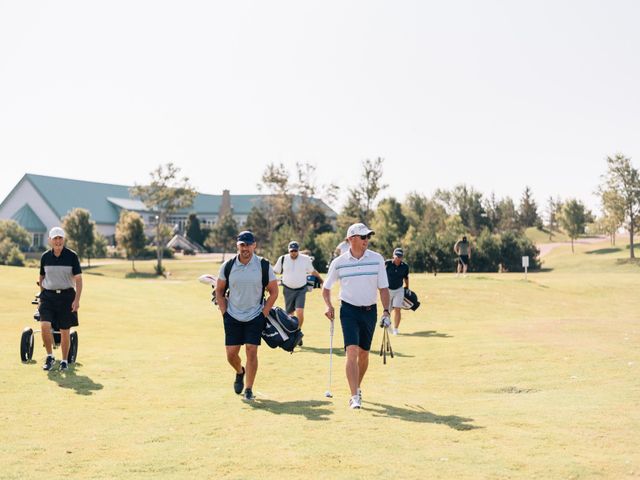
column 281, row 260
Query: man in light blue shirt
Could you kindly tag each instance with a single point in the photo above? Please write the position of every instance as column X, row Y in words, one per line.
column 246, row 277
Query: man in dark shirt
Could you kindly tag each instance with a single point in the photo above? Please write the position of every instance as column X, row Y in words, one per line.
column 60, row 289
column 397, row 273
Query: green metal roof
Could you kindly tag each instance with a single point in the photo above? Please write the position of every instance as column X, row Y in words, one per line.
column 105, row 200
column 29, row 220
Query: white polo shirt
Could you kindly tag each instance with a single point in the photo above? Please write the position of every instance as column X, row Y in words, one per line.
column 294, row 272
column 360, row 278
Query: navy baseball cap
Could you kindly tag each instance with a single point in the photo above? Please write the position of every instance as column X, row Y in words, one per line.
column 398, row 252
column 245, row 237
column 294, row 246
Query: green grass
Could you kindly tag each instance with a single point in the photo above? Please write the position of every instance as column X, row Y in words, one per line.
column 494, row 377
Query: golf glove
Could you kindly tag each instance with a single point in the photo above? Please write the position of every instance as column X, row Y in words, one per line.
column 385, row 321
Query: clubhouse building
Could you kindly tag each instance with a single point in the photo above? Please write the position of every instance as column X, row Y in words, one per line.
column 39, row 203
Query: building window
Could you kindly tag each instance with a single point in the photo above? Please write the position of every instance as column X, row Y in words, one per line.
column 38, row 239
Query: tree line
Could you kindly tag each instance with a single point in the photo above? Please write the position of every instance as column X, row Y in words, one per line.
column 426, row 227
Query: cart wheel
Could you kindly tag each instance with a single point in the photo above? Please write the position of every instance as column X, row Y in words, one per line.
column 73, row 347
column 26, row 345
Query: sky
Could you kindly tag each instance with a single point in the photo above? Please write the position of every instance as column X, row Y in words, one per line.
column 497, row 95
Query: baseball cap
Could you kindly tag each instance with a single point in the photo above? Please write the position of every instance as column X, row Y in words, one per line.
column 56, row 232
column 294, row 246
column 398, row 252
column 359, row 229
column 245, row 237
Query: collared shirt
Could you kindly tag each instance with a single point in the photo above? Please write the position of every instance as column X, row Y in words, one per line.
column 245, row 288
column 360, row 278
column 396, row 274
column 294, row 272
column 59, row 272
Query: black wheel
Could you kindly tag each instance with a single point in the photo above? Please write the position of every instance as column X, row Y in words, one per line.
column 26, row 345
column 73, row 347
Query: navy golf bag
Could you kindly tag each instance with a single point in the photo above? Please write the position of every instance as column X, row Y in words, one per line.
column 282, row 330
column 410, row 301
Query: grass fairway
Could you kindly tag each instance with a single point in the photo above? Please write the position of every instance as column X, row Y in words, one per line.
column 494, row 377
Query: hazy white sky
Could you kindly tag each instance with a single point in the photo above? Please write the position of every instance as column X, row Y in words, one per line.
column 494, row 94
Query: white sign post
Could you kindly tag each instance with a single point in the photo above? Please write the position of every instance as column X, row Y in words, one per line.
column 525, row 264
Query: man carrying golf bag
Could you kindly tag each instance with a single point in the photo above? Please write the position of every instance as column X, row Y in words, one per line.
column 361, row 272
column 244, row 308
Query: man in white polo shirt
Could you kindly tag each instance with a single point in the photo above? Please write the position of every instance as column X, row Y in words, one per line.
column 361, row 273
column 294, row 269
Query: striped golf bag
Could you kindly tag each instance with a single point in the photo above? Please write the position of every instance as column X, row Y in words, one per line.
column 282, row 330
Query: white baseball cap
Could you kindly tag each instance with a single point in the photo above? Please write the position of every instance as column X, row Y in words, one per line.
column 359, row 229
column 56, row 232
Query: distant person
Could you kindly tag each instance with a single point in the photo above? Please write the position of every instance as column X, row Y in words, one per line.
column 462, row 248
column 294, row 268
column 343, row 247
column 244, row 311
column 60, row 290
column 361, row 273
column 397, row 273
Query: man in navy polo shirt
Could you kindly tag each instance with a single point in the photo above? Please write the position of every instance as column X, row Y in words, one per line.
column 60, row 289
column 397, row 273
column 244, row 311
column 361, row 273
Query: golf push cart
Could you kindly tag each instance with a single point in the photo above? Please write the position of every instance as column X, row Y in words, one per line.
column 28, row 338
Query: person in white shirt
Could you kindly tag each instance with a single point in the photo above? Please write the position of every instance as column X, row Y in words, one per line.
column 294, row 269
column 361, row 273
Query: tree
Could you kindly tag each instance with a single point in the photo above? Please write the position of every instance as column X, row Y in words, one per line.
column 223, row 234
column 390, row 225
column 554, row 209
column 624, row 179
column 130, row 235
column 164, row 195
column 15, row 233
column 573, row 219
column 528, row 211
column 361, row 199
column 80, row 231
column 194, row 232
column 467, row 204
column 258, row 223
column 613, row 214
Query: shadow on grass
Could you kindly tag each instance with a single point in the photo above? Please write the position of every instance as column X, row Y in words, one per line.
column 420, row 415
column 628, row 261
column 604, row 251
column 97, row 274
column 82, row 384
column 426, row 333
column 140, row 275
column 311, row 409
column 338, row 351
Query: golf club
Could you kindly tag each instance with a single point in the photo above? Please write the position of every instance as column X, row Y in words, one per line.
column 328, row 392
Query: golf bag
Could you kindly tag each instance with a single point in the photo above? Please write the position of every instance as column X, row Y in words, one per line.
column 312, row 282
column 282, row 330
column 410, row 301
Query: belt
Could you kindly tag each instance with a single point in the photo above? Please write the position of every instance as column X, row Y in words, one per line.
column 63, row 290
column 366, row 308
column 304, row 287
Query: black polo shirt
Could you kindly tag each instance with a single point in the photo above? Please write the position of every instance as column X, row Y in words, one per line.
column 58, row 272
column 396, row 273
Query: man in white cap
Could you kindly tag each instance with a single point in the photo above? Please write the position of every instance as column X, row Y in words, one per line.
column 60, row 289
column 294, row 269
column 361, row 273
column 397, row 273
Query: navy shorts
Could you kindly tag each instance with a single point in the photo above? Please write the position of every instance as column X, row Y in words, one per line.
column 464, row 259
column 294, row 298
column 56, row 308
column 239, row 333
column 358, row 325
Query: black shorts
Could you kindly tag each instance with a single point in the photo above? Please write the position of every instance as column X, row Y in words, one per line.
column 358, row 325
column 56, row 308
column 464, row 259
column 239, row 333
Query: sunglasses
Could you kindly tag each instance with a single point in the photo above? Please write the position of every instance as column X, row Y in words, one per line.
column 365, row 237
